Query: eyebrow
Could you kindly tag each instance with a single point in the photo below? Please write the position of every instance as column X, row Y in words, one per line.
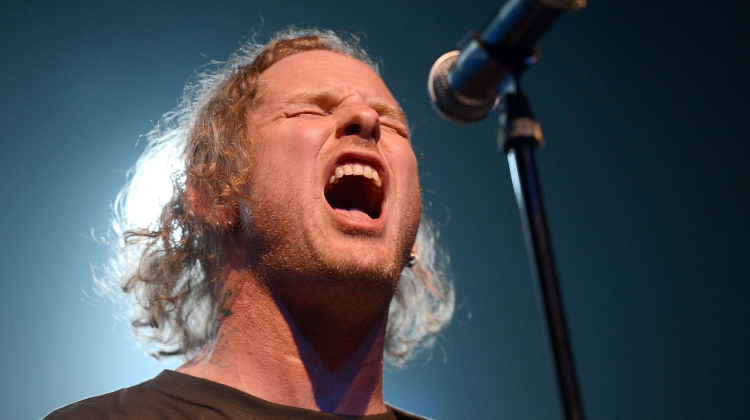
column 381, row 107
column 309, row 97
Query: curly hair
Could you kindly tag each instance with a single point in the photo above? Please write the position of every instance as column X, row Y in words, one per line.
column 166, row 260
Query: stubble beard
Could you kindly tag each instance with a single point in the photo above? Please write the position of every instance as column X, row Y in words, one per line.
column 287, row 258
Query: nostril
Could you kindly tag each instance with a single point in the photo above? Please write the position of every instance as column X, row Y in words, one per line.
column 353, row 129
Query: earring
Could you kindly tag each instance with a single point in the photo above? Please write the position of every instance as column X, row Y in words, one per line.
column 232, row 228
column 413, row 258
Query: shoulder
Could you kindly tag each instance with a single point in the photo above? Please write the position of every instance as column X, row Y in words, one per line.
column 143, row 401
column 101, row 407
column 405, row 415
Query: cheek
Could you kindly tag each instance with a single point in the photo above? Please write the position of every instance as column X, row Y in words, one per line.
column 297, row 139
column 405, row 164
column 412, row 180
column 287, row 157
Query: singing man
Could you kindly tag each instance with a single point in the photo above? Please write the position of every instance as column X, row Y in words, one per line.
column 292, row 259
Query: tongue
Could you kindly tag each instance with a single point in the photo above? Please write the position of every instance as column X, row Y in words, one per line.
column 354, row 213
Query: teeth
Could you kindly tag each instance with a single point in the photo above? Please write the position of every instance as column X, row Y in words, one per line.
column 357, row 170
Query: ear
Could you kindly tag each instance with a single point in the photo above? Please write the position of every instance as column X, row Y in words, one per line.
column 198, row 198
column 226, row 218
column 221, row 216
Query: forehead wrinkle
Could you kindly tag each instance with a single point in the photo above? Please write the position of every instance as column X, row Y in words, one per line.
column 309, row 98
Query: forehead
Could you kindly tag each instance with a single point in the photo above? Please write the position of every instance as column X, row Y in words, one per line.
column 320, row 71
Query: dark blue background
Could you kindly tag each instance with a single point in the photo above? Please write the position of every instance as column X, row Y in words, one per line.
column 645, row 109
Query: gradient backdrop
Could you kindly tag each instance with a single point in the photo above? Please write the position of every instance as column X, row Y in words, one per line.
column 645, row 110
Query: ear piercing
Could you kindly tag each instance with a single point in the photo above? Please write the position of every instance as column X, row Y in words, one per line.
column 232, row 228
column 413, row 258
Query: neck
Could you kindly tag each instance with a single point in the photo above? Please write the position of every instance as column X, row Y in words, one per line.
column 293, row 355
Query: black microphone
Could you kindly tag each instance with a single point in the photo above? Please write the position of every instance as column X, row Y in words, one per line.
column 465, row 85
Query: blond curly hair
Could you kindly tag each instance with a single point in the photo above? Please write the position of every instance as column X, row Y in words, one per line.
column 164, row 264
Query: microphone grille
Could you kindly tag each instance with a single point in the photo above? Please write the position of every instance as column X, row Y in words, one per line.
column 449, row 104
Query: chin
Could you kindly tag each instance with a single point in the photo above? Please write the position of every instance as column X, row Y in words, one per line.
column 364, row 266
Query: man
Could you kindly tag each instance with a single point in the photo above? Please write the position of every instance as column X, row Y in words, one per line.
column 291, row 258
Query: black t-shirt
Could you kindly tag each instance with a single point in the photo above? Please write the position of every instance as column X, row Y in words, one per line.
column 174, row 395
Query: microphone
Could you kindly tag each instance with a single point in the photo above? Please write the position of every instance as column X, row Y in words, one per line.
column 465, row 84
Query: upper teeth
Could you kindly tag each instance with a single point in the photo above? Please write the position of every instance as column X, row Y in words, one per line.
column 356, row 169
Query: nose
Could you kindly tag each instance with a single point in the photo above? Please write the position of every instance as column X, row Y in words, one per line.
column 359, row 119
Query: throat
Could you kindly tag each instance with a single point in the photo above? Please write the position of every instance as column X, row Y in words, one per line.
column 330, row 362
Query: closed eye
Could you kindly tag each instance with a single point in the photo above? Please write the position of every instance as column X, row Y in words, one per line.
column 306, row 112
column 395, row 128
column 309, row 104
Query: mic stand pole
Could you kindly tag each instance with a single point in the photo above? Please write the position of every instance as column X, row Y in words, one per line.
column 518, row 135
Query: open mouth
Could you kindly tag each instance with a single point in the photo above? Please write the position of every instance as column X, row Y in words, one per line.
column 355, row 189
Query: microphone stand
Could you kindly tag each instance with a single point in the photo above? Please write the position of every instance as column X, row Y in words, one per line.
column 464, row 87
column 519, row 134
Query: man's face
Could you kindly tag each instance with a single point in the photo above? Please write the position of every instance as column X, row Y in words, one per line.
column 335, row 190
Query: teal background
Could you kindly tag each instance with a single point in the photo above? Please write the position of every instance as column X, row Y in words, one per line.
column 644, row 106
